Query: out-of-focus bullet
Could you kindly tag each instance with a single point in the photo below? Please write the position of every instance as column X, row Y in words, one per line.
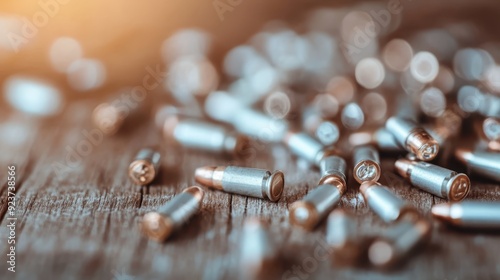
column 159, row 225
column 384, row 203
column 491, row 129
column 195, row 134
column 327, row 132
column 108, row 118
column 343, row 236
column 469, row 214
column 381, row 138
column 413, row 138
column 308, row 212
column 145, row 166
column 332, row 170
column 366, row 164
column 242, row 180
column 258, row 253
column 483, row 163
column 305, row 147
column 434, row 179
column 397, row 244
column 225, row 108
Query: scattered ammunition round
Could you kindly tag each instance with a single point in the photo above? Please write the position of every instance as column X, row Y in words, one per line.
column 161, row 224
column 469, row 214
column 342, row 235
column 332, row 169
column 305, row 147
column 413, row 138
column 145, row 166
column 108, row 118
column 434, row 179
column 401, row 240
column 242, row 180
column 258, row 253
column 308, row 212
column 194, row 134
column 491, row 129
column 366, row 164
column 483, row 163
column 384, row 203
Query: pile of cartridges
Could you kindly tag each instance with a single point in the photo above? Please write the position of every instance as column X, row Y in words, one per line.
column 332, row 87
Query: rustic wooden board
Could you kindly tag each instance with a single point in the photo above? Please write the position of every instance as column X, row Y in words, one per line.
column 84, row 224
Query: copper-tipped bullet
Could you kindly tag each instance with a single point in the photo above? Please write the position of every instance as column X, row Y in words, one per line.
column 200, row 135
column 242, row 180
column 469, row 214
column 413, row 138
column 145, row 166
column 160, row 225
column 308, row 212
column 434, row 179
column 366, row 164
column 398, row 242
column 482, row 163
column 305, row 147
column 384, row 203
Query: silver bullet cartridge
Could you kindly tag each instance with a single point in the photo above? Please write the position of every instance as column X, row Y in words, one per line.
column 223, row 107
column 160, row 225
column 434, row 179
column 195, row 134
column 413, row 138
column 398, row 242
column 366, row 164
column 483, row 163
column 384, row 203
column 469, row 214
column 327, row 132
column 332, row 170
column 258, row 252
column 305, row 147
column 381, row 138
column 242, row 180
column 308, row 212
column 342, row 235
column 145, row 166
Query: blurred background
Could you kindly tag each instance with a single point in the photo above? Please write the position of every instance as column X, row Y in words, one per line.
column 57, row 52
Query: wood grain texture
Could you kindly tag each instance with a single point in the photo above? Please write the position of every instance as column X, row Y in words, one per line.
column 84, row 223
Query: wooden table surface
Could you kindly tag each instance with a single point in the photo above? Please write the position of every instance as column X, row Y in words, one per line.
column 82, row 221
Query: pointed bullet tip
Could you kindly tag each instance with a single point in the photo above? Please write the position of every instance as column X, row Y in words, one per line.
column 441, row 211
column 204, row 175
column 402, row 165
column 463, row 155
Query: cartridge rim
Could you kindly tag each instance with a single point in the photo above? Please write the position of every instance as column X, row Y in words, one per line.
column 275, row 185
column 139, row 169
column 458, row 187
column 303, row 214
column 334, row 180
column 156, row 226
column 358, row 169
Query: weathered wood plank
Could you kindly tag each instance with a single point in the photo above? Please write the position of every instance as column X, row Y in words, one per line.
column 85, row 224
